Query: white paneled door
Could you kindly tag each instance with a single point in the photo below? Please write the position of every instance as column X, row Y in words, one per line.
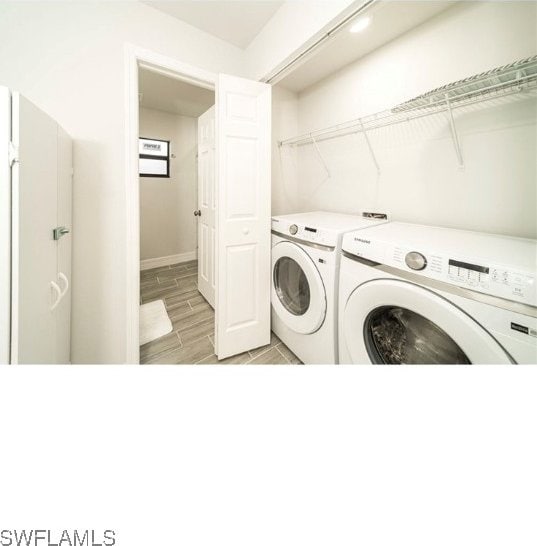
column 64, row 244
column 35, row 209
column 41, row 177
column 243, row 130
column 5, row 225
column 206, row 212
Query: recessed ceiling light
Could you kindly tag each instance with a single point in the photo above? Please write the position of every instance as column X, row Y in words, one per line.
column 361, row 24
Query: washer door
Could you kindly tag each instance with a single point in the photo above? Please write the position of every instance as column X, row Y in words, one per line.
column 298, row 294
column 396, row 322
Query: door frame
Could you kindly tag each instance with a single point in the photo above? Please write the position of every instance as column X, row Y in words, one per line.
column 135, row 58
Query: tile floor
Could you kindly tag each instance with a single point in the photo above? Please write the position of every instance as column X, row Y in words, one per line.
column 192, row 339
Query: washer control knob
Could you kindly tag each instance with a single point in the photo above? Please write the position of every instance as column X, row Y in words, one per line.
column 293, row 229
column 416, row 261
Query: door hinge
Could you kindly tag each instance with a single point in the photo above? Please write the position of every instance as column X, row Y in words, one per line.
column 13, row 154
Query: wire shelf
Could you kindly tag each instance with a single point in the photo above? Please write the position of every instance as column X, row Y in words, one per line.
column 508, row 77
column 505, row 81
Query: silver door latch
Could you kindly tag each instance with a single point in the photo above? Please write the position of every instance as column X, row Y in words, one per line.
column 59, row 232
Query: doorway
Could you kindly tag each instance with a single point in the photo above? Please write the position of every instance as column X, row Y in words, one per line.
column 177, row 218
column 242, row 199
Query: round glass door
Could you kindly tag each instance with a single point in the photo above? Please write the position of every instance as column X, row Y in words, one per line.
column 390, row 321
column 298, row 296
column 291, row 286
column 395, row 335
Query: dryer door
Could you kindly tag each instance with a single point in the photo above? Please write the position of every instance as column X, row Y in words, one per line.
column 390, row 321
column 298, row 294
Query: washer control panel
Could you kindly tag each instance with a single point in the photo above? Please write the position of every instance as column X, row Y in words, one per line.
column 468, row 274
column 490, row 278
column 416, row 261
column 493, row 279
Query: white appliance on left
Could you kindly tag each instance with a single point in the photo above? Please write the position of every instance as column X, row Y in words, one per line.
column 36, row 170
column 306, row 251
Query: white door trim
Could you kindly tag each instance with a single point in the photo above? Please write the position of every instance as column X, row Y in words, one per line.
column 134, row 58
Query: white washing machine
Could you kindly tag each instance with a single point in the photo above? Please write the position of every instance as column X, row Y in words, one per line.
column 305, row 261
column 412, row 294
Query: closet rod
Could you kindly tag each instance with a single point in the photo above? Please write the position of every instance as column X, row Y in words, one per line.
column 280, row 72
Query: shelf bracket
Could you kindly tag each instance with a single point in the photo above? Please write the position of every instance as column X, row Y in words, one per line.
column 321, row 158
column 373, row 156
column 520, row 74
column 454, row 134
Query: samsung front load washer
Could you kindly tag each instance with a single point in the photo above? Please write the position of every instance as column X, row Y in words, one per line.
column 412, row 294
column 305, row 260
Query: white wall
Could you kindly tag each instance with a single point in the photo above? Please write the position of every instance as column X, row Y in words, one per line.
column 167, row 224
column 68, row 58
column 419, row 180
column 284, row 162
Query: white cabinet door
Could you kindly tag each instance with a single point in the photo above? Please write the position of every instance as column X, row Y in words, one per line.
column 243, row 126
column 34, row 188
column 206, row 206
column 63, row 311
column 5, row 226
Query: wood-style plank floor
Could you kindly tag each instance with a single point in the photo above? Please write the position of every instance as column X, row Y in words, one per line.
column 192, row 338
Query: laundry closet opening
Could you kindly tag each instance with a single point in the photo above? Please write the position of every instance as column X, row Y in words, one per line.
column 177, row 215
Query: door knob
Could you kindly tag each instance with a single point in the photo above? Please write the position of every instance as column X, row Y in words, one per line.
column 197, row 213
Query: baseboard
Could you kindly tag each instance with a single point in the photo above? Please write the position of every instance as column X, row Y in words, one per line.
column 168, row 260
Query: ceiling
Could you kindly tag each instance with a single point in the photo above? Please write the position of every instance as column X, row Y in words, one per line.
column 173, row 96
column 389, row 19
column 237, row 22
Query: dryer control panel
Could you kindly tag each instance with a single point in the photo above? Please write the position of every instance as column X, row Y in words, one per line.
column 487, row 277
column 303, row 232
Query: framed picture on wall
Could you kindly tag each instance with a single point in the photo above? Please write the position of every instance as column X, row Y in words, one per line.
column 154, row 157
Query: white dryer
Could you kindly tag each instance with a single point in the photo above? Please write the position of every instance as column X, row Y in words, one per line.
column 305, row 261
column 412, row 294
